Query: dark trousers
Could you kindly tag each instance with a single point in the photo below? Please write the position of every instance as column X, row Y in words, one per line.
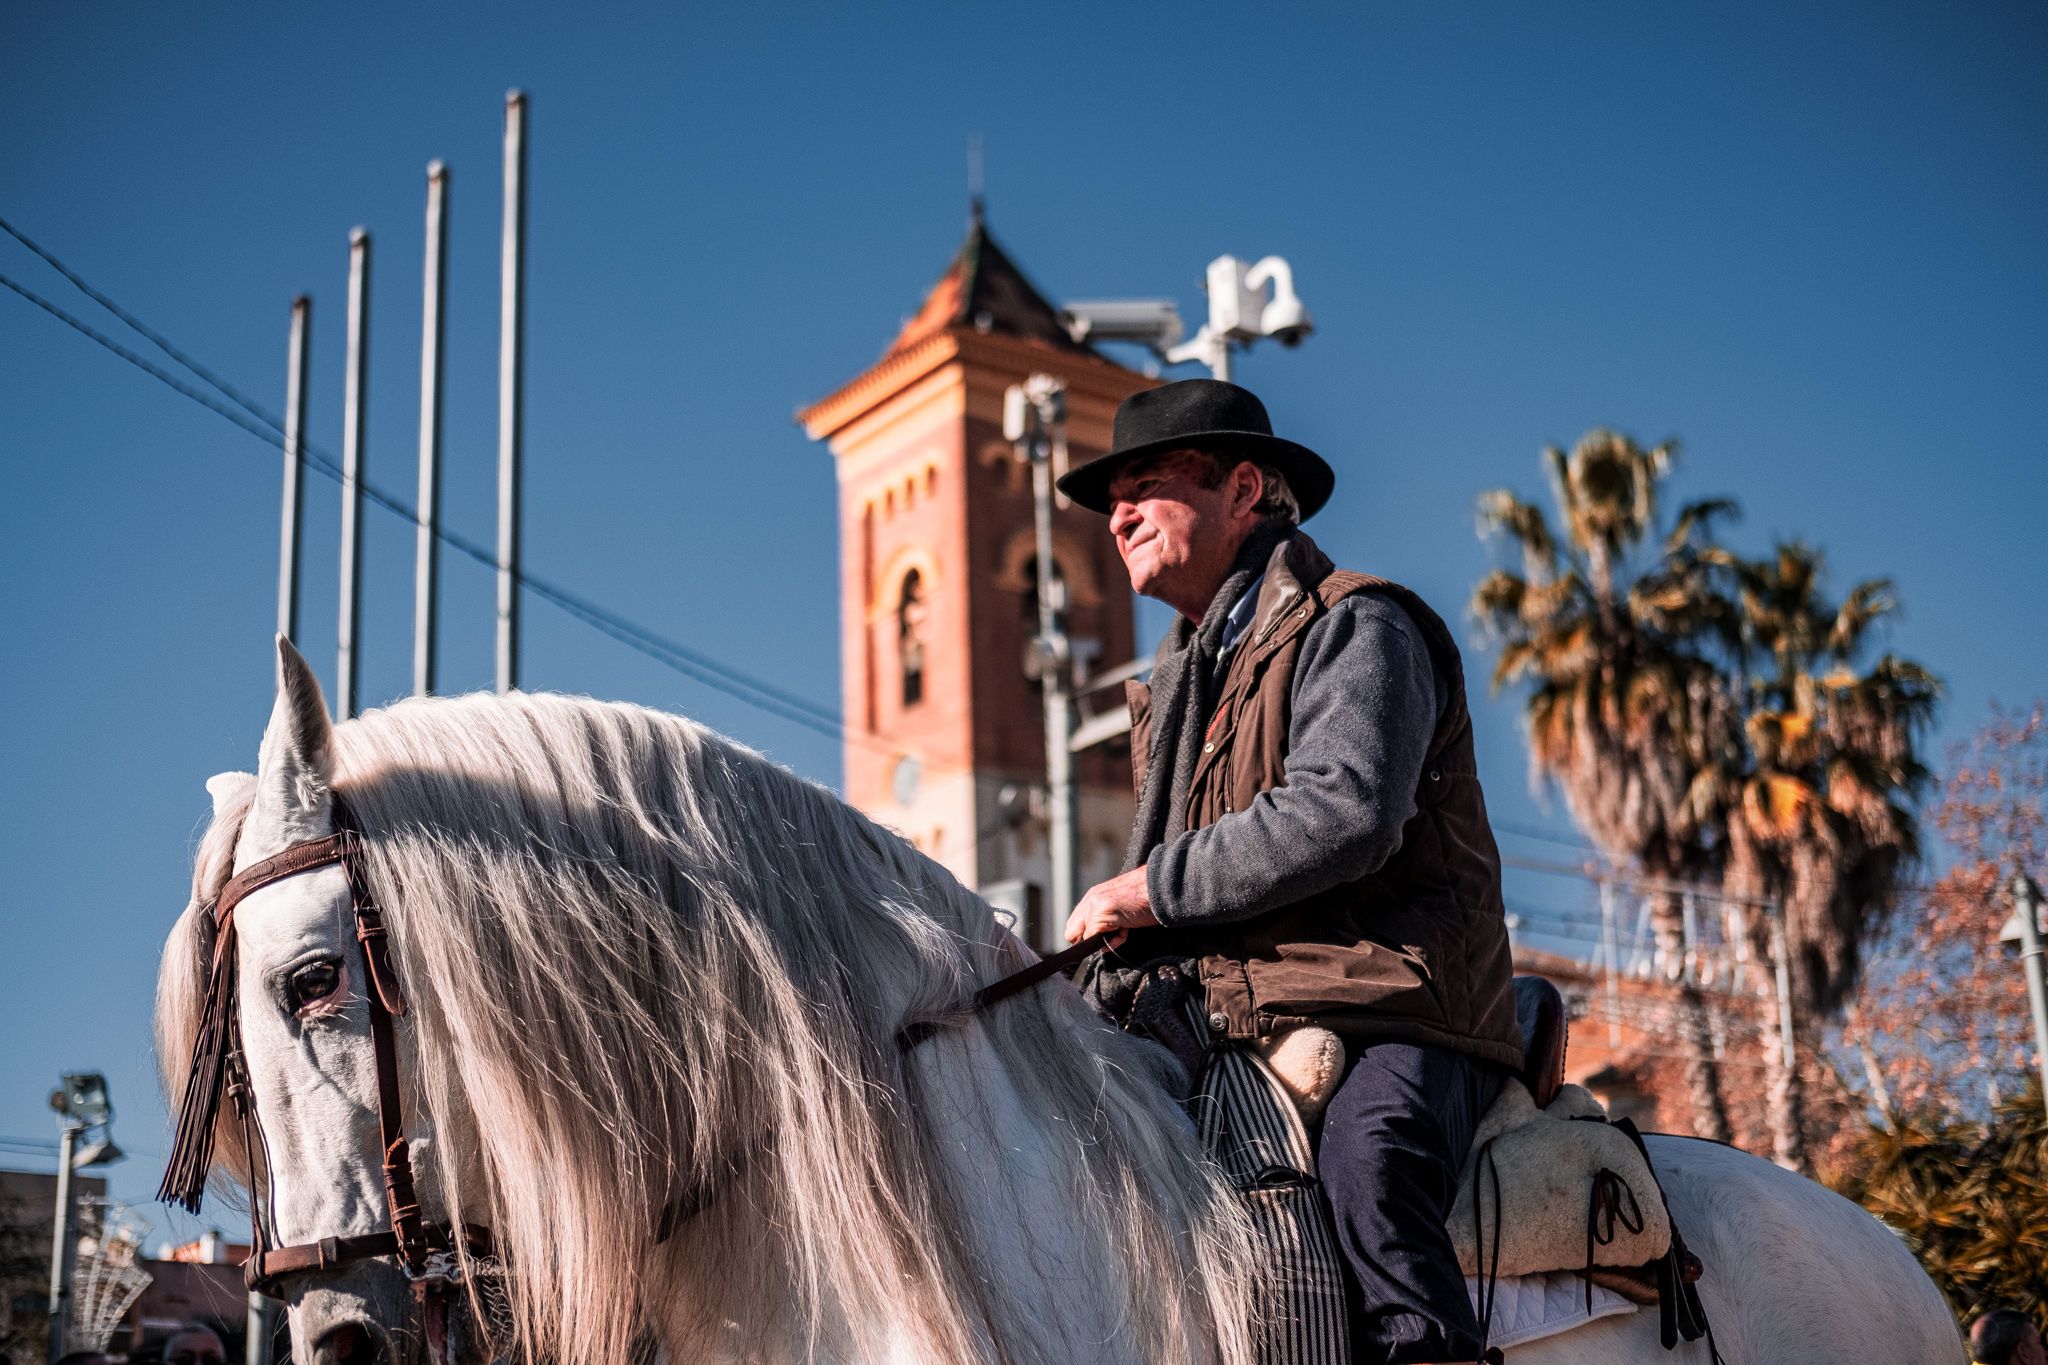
column 1394, row 1139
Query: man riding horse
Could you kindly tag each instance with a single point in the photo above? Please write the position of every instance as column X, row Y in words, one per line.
column 1311, row 842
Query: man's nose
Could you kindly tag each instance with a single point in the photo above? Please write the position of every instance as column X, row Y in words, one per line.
column 1122, row 516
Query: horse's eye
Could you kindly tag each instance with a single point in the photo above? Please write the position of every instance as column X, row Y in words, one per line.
column 314, row 981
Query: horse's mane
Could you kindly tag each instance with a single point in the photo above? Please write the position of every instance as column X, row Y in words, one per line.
column 646, row 966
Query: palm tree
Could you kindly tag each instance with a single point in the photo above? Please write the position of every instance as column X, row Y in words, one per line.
column 1819, row 810
column 1623, row 703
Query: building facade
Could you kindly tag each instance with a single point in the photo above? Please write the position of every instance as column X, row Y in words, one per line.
column 938, row 590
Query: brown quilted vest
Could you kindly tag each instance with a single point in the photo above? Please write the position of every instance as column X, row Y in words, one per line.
column 1417, row 950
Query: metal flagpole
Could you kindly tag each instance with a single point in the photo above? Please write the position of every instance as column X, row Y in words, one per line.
column 427, row 556
column 347, row 668
column 294, row 463
column 511, row 329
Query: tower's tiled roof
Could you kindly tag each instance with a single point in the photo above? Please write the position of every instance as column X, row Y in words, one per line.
column 983, row 289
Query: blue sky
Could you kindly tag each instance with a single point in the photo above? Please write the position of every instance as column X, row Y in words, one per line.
column 1807, row 240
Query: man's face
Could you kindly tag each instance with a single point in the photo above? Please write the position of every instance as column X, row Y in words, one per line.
column 1176, row 537
column 194, row 1348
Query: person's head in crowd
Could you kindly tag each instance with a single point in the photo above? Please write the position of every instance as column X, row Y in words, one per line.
column 195, row 1345
column 2006, row 1337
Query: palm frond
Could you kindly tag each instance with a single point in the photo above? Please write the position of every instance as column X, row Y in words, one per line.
column 1696, row 519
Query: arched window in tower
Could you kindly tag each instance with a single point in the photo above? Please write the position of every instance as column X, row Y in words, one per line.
column 910, row 636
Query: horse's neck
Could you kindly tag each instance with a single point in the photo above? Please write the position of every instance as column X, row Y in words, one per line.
column 1051, row 1273
column 1013, row 1173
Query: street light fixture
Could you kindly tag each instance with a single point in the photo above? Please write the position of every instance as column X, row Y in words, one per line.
column 1246, row 303
column 82, row 1104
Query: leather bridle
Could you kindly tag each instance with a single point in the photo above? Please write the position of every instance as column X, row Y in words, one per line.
column 426, row 1251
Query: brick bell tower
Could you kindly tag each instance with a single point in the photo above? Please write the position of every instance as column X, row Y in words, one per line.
column 937, row 587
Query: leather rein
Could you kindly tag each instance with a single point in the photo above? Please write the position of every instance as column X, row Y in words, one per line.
column 425, row 1250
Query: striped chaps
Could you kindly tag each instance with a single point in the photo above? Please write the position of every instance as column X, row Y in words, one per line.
column 1250, row 1127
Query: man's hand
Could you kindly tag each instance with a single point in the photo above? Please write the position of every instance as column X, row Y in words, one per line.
column 1119, row 904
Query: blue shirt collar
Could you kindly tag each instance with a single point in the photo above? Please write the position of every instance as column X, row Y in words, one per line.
column 1240, row 618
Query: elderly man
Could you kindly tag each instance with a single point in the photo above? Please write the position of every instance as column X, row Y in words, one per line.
column 1311, row 842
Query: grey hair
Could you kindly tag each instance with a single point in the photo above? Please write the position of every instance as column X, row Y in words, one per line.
column 645, row 963
column 1276, row 497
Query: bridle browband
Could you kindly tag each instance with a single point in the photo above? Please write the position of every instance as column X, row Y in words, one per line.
column 427, row 1252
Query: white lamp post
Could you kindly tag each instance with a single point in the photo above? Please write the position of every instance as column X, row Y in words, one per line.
column 2023, row 930
column 82, row 1104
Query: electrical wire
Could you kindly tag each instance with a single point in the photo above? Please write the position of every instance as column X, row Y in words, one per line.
column 255, row 420
column 702, row 668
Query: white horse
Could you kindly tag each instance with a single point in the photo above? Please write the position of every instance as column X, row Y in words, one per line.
column 647, row 970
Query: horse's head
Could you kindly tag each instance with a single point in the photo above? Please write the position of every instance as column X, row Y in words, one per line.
column 302, row 1004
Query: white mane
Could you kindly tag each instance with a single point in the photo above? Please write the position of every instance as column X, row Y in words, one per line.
column 646, row 965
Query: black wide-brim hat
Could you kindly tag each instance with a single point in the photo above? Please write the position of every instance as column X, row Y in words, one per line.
column 1200, row 414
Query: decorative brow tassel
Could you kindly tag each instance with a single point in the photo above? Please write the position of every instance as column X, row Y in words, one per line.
column 213, row 1047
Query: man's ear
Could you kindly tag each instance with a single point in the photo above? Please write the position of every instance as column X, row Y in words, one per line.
column 1246, row 486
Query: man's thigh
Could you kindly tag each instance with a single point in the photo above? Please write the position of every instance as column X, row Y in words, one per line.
column 1394, row 1139
column 1412, row 1105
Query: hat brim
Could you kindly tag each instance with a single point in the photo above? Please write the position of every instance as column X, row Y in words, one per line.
column 1308, row 473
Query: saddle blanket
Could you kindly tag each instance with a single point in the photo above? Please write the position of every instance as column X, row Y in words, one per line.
column 1529, row 1308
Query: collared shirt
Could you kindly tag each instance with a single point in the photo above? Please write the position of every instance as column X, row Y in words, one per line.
column 1240, row 618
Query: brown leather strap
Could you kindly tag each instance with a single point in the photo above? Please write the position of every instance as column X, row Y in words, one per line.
column 290, row 863
column 914, row 1033
column 264, row 1268
column 401, row 1196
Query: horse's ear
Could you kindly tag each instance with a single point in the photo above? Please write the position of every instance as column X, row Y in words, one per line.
column 295, row 768
column 228, row 790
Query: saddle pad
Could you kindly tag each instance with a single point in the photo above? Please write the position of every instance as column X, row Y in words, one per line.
column 1529, row 1308
column 1549, row 1166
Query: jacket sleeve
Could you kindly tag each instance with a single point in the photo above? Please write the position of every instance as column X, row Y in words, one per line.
column 1364, row 702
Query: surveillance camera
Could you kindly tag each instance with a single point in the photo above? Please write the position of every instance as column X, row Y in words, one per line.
column 1284, row 319
column 1149, row 322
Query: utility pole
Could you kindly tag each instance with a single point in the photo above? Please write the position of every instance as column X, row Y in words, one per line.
column 348, row 669
column 1781, row 966
column 1035, row 420
column 2026, row 899
column 427, row 547
column 511, row 375
column 294, row 469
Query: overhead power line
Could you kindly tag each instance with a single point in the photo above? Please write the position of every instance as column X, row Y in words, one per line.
column 259, row 422
column 156, row 339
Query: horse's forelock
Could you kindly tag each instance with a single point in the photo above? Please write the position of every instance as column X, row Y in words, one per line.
column 181, row 985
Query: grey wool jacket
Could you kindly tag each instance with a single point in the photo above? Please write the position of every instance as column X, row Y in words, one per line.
column 1363, row 703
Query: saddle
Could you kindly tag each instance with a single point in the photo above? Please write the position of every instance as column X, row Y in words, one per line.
column 1550, row 1184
